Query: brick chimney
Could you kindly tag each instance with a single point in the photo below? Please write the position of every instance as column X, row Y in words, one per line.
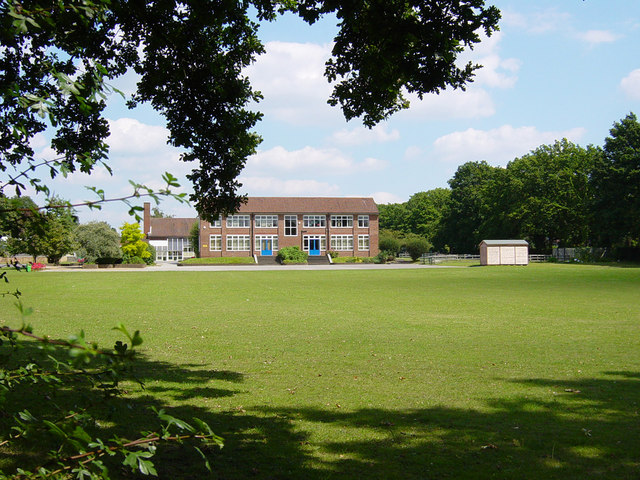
column 147, row 218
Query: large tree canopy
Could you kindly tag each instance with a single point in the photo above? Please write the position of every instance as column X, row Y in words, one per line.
column 58, row 57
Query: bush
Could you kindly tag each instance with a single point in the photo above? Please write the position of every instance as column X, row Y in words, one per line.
column 384, row 257
column 135, row 260
column 388, row 243
column 108, row 260
column 151, row 259
column 292, row 255
column 333, row 254
column 416, row 246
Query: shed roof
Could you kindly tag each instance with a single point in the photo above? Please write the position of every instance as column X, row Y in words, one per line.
column 170, row 227
column 496, row 243
column 309, row 205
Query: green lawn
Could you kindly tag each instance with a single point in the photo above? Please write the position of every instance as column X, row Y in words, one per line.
column 464, row 373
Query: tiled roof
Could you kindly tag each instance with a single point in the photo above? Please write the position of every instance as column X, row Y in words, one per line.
column 170, row 227
column 309, row 205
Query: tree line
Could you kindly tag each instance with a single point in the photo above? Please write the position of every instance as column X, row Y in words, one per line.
column 55, row 232
column 557, row 195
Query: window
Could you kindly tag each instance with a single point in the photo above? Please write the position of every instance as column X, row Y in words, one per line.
column 238, row 243
column 290, row 225
column 341, row 242
column 314, row 221
column 363, row 222
column 342, row 221
column 238, row 221
column 216, row 223
column 272, row 238
column 215, row 243
column 363, row 242
column 266, row 221
column 321, row 238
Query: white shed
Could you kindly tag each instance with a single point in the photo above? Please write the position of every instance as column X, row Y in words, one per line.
column 504, row 252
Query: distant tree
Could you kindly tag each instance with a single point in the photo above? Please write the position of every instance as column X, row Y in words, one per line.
column 551, row 195
column 157, row 213
column 97, row 240
column 426, row 211
column 394, row 216
column 616, row 186
column 467, row 207
column 194, row 238
column 37, row 232
column 133, row 244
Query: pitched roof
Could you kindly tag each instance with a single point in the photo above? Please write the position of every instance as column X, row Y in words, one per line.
column 494, row 243
column 170, row 227
column 309, row 205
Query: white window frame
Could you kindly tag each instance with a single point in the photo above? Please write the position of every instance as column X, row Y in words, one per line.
column 363, row 243
column 274, row 242
column 238, row 243
column 314, row 221
column 266, row 221
column 215, row 243
column 363, row 221
column 342, row 221
column 322, row 238
column 216, row 223
column 291, row 225
column 238, row 221
column 342, row 243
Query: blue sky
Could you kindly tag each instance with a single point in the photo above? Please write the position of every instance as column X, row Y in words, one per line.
column 554, row 70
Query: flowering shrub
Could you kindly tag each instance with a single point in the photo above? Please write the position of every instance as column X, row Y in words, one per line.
column 38, row 266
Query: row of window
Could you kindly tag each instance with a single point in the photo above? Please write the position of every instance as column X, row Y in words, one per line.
column 242, row 243
column 291, row 222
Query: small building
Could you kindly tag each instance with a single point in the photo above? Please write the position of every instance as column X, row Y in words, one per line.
column 169, row 236
column 504, row 252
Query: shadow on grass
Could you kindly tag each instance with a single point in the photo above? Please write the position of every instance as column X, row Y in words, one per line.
column 587, row 428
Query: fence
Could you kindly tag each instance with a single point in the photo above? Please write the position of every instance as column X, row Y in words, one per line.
column 433, row 259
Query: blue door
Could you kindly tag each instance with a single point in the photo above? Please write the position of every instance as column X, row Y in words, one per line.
column 266, row 247
column 314, row 246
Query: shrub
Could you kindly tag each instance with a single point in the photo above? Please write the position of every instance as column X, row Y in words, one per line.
column 135, row 260
column 291, row 255
column 151, row 259
column 108, row 260
column 333, row 254
column 416, row 246
column 389, row 243
column 384, row 257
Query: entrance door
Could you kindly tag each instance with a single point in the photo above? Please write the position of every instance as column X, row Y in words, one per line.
column 266, row 247
column 314, row 246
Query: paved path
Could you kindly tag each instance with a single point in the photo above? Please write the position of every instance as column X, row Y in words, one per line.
column 173, row 267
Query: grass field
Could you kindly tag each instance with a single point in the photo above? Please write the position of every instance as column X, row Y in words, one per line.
column 465, row 373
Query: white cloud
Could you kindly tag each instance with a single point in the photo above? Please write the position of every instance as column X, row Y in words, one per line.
column 131, row 136
column 413, row 152
column 631, row 84
column 256, row 185
column 497, row 146
column 363, row 135
column 596, row 37
column 538, row 22
column 386, row 197
column 496, row 72
column 449, row 104
column 327, row 161
column 291, row 78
